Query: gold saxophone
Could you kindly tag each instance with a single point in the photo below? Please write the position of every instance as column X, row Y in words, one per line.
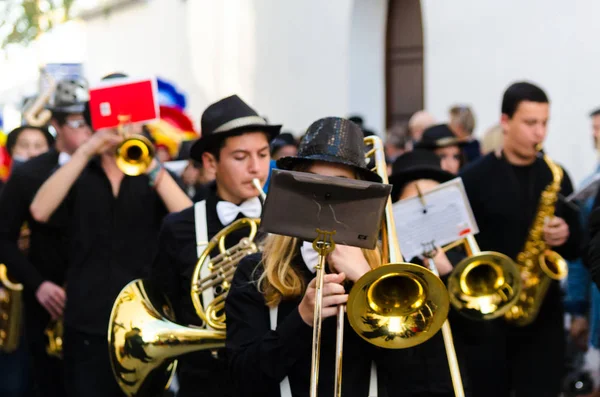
column 11, row 302
column 539, row 264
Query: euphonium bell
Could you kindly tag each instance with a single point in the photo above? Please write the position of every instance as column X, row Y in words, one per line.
column 135, row 154
column 485, row 285
column 144, row 341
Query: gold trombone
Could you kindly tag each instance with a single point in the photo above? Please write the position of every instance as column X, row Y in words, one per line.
column 135, row 153
column 397, row 305
column 485, row 285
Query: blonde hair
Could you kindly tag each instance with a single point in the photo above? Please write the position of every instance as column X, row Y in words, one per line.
column 279, row 280
column 492, row 139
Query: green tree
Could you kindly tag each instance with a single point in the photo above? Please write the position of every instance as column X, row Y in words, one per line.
column 22, row 21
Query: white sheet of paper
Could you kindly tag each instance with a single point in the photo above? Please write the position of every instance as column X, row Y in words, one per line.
column 590, row 189
column 446, row 217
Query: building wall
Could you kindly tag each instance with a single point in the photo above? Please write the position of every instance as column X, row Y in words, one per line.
column 475, row 49
column 296, row 61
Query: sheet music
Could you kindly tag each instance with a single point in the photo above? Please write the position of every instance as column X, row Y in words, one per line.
column 590, row 189
column 444, row 217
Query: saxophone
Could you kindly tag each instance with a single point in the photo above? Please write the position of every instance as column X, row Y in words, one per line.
column 11, row 301
column 539, row 265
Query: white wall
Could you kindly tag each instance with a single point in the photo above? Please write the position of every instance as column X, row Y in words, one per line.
column 474, row 49
column 367, row 62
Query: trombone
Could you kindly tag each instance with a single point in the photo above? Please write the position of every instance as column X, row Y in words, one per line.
column 485, row 285
column 397, row 305
column 135, row 153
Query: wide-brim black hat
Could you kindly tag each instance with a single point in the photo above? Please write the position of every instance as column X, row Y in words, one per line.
column 415, row 165
column 332, row 140
column 228, row 117
column 438, row 136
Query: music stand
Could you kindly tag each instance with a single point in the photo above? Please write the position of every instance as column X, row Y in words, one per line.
column 314, row 208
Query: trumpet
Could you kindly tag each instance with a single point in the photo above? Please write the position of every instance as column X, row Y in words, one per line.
column 485, row 285
column 135, row 153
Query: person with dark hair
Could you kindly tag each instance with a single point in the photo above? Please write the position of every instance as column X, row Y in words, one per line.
column 441, row 141
column 235, row 147
column 504, row 189
column 112, row 228
column 284, row 145
column 41, row 269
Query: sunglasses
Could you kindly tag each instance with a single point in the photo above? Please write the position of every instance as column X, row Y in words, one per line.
column 76, row 123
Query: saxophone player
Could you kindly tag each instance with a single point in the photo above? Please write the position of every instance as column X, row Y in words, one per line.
column 515, row 196
column 42, row 269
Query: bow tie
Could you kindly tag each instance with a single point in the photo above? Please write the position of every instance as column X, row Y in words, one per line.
column 227, row 212
column 309, row 256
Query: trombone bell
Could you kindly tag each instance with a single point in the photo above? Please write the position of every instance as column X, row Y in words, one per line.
column 134, row 155
column 484, row 286
column 143, row 341
column 398, row 305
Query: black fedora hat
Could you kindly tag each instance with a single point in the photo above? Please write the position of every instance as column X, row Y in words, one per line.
column 332, row 140
column 414, row 165
column 438, row 136
column 229, row 117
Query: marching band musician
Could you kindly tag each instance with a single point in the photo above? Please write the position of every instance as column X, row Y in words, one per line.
column 234, row 147
column 265, row 348
column 422, row 370
column 114, row 221
column 42, row 269
column 504, row 189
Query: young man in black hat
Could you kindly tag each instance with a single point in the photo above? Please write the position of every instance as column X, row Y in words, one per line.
column 113, row 225
column 235, row 146
column 441, row 140
column 504, row 189
column 42, row 269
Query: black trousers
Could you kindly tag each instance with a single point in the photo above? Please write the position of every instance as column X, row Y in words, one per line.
column 48, row 372
column 87, row 367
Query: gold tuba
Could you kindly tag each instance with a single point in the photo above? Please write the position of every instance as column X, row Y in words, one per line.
column 35, row 114
column 135, row 153
column 144, row 341
column 538, row 264
column 485, row 285
column 11, row 302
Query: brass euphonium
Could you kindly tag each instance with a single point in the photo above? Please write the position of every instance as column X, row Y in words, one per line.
column 538, row 264
column 135, row 153
column 143, row 338
column 11, row 303
column 484, row 285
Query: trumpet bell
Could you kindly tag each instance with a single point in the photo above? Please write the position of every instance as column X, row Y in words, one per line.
column 553, row 265
column 143, row 341
column 484, row 286
column 398, row 305
column 134, row 155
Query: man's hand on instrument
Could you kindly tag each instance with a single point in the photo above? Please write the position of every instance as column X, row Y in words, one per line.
column 348, row 260
column 579, row 332
column 102, row 141
column 334, row 295
column 556, row 232
column 52, row 298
